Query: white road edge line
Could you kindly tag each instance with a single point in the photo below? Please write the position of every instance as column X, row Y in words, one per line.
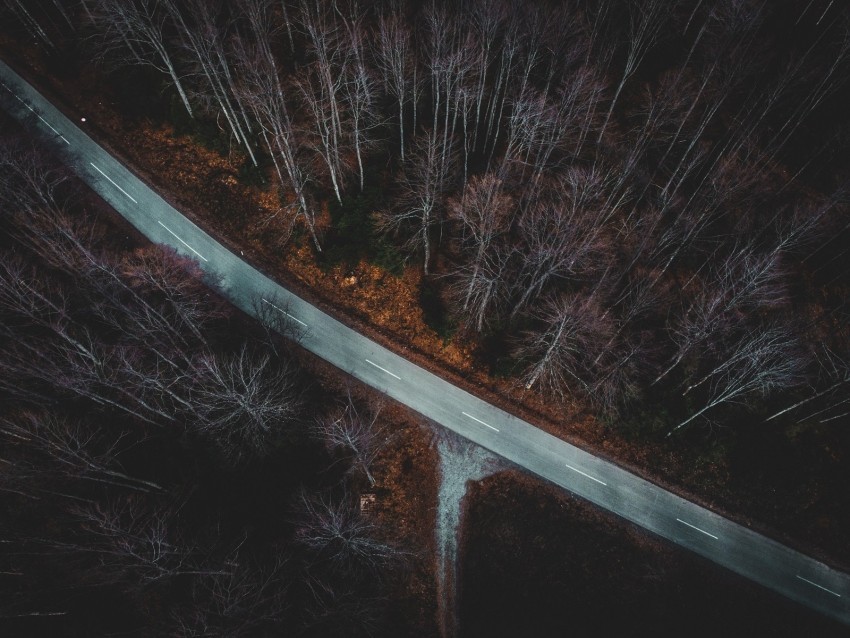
column 819, row 586
column 181, row 241
column 39, row 116
column 592, row 478
column 479, row 420
column 50, row 126
column 284, row 312
column 114, row 184
column 697, row 528
column 383, row 369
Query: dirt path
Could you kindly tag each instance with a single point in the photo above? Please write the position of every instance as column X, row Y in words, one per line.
column 460, row 462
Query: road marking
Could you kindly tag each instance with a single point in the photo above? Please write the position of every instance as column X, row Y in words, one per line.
column 181, row 241
column 819, row 586
column 114, row 184
column 479, row 420
column 592, row 478
column 697, row 528
column 383, row 369
column 50, row 126
column 33, row 110
column 284, row 312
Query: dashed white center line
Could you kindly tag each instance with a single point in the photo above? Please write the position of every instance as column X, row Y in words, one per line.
column 284, row 312
column 383, row 369
column 819, row 586
column 115, row 185
column 181, row 241
column 592, row 478
column 696, row 528
column 50, row 126
column 37, row 114
column 479, row 420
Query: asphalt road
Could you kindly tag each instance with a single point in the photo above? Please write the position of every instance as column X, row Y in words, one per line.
column 752, row 555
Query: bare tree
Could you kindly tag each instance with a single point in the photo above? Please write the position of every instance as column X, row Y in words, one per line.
column 161, row 307
column 136, row 32
column 619, row 377
column 135, row 545
column 394, row 53
column 342, row 610
column 357, row 433
column 761, row 361
column 67, row 356
column 239, row 602
column 450, row 62
column 202, row 33
column 646, row 22
column 484, row 212
column 173, row 288
column 73, row 450
column 487, row 20
column 488, row 123
column 337, row 533
column 155, row 304
column 74, row 363
column 421, row 190
column 359, row 85
column 480, row 292
column 321, row 85
column 696, row 326
column 263, row 91
column 32, row 16
column 836, row 370
column 565, row 234
column 541, row 127
column 560, row 355
column 245, row 402
column 744, row 281
column 804, row 94
column 30, row 179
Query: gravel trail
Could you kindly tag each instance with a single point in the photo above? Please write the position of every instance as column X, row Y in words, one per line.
column 460, row 461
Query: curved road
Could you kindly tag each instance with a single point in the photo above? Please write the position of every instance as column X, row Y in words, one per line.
column 752, row 555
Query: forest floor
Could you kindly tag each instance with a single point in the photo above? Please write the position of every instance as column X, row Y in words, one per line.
column 405, row 506
column 791, row 490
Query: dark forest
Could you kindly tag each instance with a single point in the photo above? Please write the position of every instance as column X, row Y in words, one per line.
column 630, row 212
